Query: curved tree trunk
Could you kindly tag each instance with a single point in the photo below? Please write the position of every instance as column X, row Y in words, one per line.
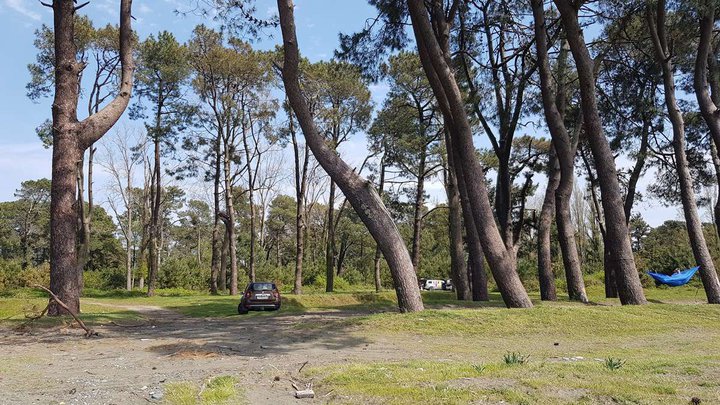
column 565, row 150
column 618, row 240
column 359, row 192
column 436, row 66
column 700, row 250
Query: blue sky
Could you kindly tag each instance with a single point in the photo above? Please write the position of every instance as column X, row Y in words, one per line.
column 22, row 156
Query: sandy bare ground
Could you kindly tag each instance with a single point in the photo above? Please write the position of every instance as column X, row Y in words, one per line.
column 131, row 363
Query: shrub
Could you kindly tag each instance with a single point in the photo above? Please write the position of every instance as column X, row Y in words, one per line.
column 614, row 364
column 515, row 358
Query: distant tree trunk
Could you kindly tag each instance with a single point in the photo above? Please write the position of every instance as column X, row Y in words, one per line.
column 223, row 258
column 618, row 240
column 251, row 203
column 378, row 253
column 217, row 225
column 458, row 265
column 300, row 191
column 70, row 139
column 330, row 241
column 656, row 24
column 359, row 192
column 230, row 217
column 129, row 234
column 417, row 214
column 446, row 91
column 546, row 276
column 155, row 197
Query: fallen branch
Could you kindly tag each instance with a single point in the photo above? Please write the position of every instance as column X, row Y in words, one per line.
column 34, row 318
column 88, row 332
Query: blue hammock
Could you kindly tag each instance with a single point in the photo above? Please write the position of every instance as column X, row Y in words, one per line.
column 674, row 280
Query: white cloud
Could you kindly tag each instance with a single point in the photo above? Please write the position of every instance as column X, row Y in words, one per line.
column 20, row 6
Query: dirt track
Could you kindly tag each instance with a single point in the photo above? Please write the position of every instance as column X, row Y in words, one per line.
column 126, row 364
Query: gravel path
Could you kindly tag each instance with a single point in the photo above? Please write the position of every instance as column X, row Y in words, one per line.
column 131, row 363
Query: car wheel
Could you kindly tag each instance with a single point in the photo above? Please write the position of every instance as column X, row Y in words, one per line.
column 277, row 307
column 241, row 309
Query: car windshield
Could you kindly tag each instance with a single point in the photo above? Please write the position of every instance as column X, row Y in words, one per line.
column 261, row 286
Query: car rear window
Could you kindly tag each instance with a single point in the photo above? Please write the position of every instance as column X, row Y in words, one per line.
column 261, row 286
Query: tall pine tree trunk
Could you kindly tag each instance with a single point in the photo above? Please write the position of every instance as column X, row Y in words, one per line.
column 437, row 68
column 618, row 240
column 417, row 213
column 546, row 276
column 458, row 265
column 330, row 241
column 656, row 25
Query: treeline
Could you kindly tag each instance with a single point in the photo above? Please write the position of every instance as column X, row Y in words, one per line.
column 187, row 248
column 218, row 112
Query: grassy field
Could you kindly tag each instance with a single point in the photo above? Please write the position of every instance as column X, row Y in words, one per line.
column 556, row 353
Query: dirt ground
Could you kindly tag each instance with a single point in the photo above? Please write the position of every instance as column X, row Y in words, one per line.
column 131, row 363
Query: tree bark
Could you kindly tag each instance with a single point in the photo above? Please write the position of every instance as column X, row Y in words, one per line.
column 217, row 225
column 436, row 66
column 546, row 276
column 330, row 241
column 378, row 253
column 618, row 240
column 230, row 217
column 417, row 214
column 300, row 191
column 359, row 192
column 223, row 258
column 156, row 191
column 656, row 25
column 455, row 227
column 706, row 65
column 70, row 139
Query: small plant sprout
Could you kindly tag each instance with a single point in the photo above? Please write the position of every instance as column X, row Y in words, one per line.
column 614, row 364
column 514, row 358
column 479, row 368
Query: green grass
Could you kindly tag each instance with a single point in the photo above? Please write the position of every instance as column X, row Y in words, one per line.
column 669, row 352
column 218, row 390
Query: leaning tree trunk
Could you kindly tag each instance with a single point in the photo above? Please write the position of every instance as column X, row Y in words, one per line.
column 618, row 240
column 70, row 140
column 359, row 192
column 546, row 276
column 709, row 276
column 450, row 99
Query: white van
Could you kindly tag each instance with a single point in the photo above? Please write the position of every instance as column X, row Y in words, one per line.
column 433, row 284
